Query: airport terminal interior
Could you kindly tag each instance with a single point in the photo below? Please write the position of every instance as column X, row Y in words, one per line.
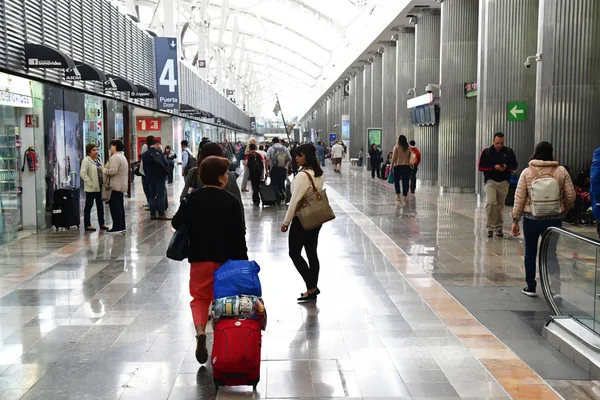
column 417, row 180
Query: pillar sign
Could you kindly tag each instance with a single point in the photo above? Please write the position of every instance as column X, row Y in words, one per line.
column 167, row 74
column 347, row 88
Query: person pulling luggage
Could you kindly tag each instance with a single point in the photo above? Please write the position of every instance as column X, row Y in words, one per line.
column 216, row 235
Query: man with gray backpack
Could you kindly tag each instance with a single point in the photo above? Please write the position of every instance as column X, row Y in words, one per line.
column 279, row 159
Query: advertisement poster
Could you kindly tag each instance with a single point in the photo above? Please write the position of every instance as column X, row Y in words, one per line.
column 374, row 135
column 345, row 127
column 68, row 155
column 64, row 113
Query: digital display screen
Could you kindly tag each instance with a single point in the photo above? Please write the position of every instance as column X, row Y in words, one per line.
column 424, row 115
column 427, row 118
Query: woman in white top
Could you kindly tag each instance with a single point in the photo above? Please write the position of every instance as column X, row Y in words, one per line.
column 299, row 238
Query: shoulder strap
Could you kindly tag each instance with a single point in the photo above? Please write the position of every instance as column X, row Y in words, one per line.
column 312, row 182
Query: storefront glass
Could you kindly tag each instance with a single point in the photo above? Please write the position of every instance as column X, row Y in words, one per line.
column 20, row 124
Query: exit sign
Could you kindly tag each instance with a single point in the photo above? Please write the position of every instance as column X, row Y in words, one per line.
column 516, row 111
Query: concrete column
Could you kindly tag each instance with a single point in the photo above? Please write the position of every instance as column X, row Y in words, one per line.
column 427, row 70
column 367, row 94
column 376, row 92
column 345, row 109
column 324, row 117
column 502, row 78
column 338, row 113
column 388, row 91
column 405, row 79
column 330, row 114
column 359, row 134
column 458, row 122
column 568, row 80
column 169, row 21
column 352, row 112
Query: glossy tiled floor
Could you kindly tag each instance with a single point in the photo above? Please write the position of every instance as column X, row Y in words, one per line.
column 107, row 317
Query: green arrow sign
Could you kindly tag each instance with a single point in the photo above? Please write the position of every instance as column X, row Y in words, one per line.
column 516, row 111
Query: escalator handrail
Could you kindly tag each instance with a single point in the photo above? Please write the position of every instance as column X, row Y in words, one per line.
column 543, row 257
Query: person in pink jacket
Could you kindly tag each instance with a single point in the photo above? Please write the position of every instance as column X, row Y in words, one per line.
column 544, row 194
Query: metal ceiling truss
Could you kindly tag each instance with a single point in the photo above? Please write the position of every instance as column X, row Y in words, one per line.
column 272, row 22
column 281, row 60
column 271, row 68
column 271, row 42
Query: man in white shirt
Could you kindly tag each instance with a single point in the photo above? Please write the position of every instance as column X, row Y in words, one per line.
column 185, row 158
column 263, row 153
column 337, row 153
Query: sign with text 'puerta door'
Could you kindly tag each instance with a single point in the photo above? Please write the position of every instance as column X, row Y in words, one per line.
column 148, row 124
column 167, row 74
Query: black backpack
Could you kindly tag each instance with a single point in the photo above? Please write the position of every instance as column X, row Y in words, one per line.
column 192, row 161
column 255, row 164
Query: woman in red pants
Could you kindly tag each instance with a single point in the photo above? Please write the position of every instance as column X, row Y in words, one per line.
column 217, row 234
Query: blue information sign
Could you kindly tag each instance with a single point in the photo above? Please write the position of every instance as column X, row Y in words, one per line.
column 167, row 74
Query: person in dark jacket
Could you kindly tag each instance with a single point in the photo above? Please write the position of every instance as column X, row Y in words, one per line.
column 193, row 180
column 375, row 160
column 170, row 156
column 216, row 235
column 595, row 188
column 496, row 162
column 156, row 170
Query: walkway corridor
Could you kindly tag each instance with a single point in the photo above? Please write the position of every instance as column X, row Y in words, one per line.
column 94, row 316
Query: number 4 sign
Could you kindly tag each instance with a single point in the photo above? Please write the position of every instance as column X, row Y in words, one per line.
column 167, row 74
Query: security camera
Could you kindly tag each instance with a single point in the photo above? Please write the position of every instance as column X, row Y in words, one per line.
column 531, row 59
column 430, row 86
column 411, row 92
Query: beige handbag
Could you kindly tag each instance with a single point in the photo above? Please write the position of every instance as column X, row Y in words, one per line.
column 106, row 189
column 314, row 209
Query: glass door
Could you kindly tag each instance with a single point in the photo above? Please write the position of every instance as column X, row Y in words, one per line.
column 10, row 210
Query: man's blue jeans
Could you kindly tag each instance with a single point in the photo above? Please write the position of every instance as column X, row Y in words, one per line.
column 157, row 192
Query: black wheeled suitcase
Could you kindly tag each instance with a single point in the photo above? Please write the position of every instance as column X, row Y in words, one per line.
column 288, row 192
column 66, row 208
column 268, row 196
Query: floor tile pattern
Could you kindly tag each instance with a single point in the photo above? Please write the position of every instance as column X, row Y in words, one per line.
column 97, row 316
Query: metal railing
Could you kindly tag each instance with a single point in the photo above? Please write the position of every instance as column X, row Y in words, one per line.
column 569, row 275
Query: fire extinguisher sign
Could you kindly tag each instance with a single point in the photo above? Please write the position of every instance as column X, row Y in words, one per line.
column 31, row 121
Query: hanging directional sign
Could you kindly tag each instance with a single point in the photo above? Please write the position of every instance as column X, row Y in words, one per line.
column 167, row 74
column 516, row 111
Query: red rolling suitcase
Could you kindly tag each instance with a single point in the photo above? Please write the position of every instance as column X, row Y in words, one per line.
column 236, row 352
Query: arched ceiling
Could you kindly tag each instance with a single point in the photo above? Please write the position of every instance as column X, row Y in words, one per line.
column 262, row 47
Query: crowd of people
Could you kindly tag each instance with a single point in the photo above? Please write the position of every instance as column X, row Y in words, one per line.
column 211, row 195
column 544, row 194
column 400, row 166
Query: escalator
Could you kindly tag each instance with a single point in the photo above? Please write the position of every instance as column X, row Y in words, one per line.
column 570, row 281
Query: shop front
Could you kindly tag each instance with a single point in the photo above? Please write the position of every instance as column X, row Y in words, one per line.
column 21, row 161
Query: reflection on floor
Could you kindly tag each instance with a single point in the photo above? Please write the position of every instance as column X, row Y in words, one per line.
column 106, row 317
